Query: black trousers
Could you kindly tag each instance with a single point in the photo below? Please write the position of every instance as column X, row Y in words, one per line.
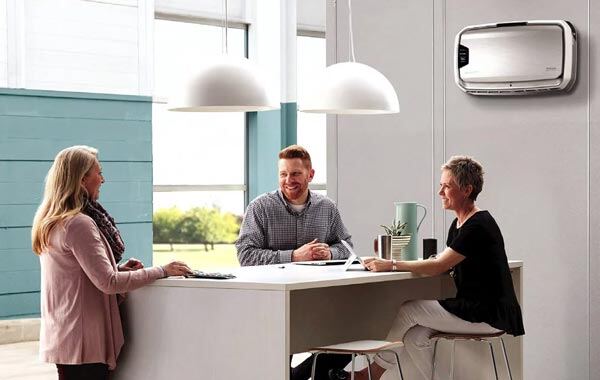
column 88, row 371
column 325, row 362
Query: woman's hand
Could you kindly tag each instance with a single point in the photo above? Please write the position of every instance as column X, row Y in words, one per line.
column 375, row 264
column 176, row 268
column 131, row 264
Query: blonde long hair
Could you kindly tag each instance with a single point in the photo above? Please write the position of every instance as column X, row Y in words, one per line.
column 64, row 194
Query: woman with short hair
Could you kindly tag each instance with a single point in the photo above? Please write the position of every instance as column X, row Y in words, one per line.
column 485, row 302
column 79, row 246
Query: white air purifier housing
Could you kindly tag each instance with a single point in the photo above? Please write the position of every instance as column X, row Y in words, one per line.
column 516, row 58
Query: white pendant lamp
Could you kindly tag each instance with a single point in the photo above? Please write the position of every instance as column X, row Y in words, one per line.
column 225, row 84
column 351, row 88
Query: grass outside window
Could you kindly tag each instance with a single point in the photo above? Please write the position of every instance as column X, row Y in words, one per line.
column 196, row 257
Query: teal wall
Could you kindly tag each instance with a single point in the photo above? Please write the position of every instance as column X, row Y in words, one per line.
column 34, row 126
column 268, row 133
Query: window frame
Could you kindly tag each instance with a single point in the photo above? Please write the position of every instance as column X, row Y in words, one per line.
column 169, row 188
column 301, row 32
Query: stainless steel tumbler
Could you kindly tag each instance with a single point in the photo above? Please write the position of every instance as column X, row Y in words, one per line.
column 383, row 246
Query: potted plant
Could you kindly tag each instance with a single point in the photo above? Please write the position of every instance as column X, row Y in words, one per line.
column 395, row 229
column 398, row 238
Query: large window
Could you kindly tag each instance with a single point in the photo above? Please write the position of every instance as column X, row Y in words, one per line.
column 198, row 158
column 312, row 132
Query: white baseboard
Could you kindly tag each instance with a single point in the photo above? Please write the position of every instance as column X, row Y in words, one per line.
column 19, row 330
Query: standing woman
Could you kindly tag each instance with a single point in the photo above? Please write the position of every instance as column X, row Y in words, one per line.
column 485, row 302
column 79, row 247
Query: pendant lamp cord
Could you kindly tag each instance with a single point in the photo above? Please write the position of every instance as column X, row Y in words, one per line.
column 225, row 48
column 350, row 28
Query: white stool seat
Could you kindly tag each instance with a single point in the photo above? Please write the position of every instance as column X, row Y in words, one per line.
column 457, row 336
column 359, row 347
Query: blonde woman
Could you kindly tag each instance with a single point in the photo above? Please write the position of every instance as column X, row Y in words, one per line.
column 79, row 247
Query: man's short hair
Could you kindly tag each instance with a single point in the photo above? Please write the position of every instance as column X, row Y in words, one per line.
column 296, row 151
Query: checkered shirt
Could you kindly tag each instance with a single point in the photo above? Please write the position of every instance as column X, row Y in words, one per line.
column 271, row 229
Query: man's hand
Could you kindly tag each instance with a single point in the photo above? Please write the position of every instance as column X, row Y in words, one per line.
column 312, row 251
column 321, row 252
column 131, row 264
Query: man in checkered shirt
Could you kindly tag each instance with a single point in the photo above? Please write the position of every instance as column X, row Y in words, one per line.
column 294, row 224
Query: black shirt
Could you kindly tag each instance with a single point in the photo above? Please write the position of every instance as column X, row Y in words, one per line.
column 485, row 292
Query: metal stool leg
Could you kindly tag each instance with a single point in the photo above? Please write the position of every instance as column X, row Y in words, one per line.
column 487, row 338
column 434, row 352
column 368, row 366
column 398, row 364
column 314, row 366
column 506, row 358
column 324, row 350
column 452, row 359
column 493, row 359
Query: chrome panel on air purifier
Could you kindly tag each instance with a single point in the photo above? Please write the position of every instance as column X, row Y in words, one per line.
column 516, row 58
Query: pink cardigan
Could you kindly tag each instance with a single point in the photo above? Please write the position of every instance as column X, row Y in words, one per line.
column 80, row 282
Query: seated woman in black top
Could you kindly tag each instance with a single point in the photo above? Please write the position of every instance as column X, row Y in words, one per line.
column 485, row 301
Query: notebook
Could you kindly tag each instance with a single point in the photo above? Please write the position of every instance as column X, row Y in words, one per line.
column 353, row 258
column 321, row 262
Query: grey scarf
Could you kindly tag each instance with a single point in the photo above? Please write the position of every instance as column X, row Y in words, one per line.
column 107, row 226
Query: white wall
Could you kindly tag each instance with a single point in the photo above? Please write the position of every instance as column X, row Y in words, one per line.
column 540, row 154
column 267, row 39
column 76, row 45
column 3, row 45
column 89, row 45
column 106, row 46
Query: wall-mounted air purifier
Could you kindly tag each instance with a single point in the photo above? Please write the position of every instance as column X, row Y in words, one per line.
column 516, row 58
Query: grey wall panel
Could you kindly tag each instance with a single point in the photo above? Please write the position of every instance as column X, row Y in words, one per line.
column 387, row 158
column 594, row 252
column 534, row 152
column 541, row 155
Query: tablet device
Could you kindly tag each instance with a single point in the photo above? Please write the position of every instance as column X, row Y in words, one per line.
column 353, row 256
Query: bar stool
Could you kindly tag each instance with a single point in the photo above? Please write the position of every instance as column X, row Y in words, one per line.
column 359, row 347
column 489, row 338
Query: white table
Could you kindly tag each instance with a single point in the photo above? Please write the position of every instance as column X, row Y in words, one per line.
column 246, row 328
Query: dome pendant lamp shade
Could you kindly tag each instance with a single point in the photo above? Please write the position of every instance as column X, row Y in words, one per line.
column 352, row 88
column 226, row 84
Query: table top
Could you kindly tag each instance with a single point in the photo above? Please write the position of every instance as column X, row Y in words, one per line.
column 285, row 277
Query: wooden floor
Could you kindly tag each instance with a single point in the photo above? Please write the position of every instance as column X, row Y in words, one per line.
column 19, row 361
